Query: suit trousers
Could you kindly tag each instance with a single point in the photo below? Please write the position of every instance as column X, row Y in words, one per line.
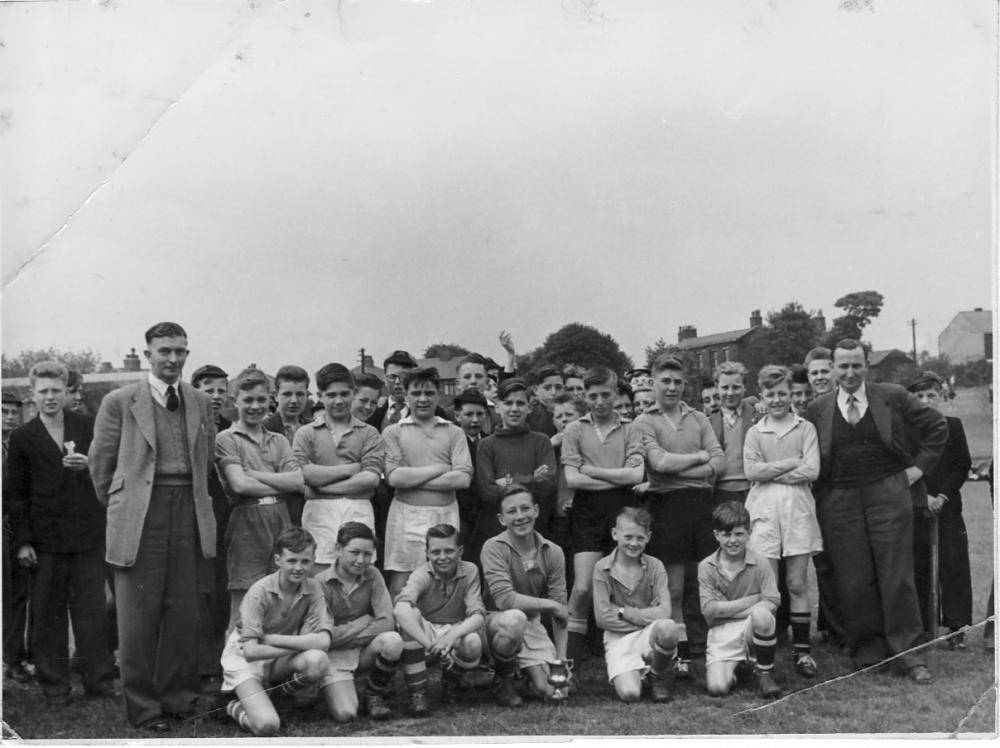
column 159, row 614
column 73, row 582
column 868, row 530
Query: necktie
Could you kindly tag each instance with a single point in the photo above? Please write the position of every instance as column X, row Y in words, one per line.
column 397, row 410
column 173, row 402
column 853, row 414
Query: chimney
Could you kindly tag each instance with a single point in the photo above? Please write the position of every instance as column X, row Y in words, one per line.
column 755, row 319
column 820, row 321
column 978, row 309
column 686, row 331
column 131, row 362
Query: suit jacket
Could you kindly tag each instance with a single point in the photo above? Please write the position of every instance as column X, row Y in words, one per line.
column 53, row 509
column 123, row 463
column 914, row 434
column 748, row 417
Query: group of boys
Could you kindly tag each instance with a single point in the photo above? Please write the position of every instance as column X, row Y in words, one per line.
column 674, row 521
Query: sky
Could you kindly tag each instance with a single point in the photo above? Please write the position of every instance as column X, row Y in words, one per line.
column 292, row 180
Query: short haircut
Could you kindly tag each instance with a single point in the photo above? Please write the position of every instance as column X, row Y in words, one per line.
column 368, row 380
column 470, row 397
column 799, row 374
column 637, row 514
column 250, row 378
column 666, row 361
column 572, row 370
column 598, row 375
column 729, row 368
column 48, row 370
column 441, row 532
column 568, row 397
column 422, row 375
column 850, row 344
column 74, row 380
column 624, row 390
column 473, row 358
column 165, row 330
column 512, row 490
column 542, row 373
column 507, row 386
column 294, row 539
column 353, row 531
column 730, row 515
column 291, row 373
column 818, row 354
column 771, row 376
column 331, row 373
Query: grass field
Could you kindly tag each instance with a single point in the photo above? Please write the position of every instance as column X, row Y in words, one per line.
column 870, row 702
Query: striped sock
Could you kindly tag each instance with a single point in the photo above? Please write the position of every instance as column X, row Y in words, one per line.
column 293, row 684
column 381, row 674
column 764, row 646
column 235, row 710
column 800, row 632
column 415, row 666
column 461, row 664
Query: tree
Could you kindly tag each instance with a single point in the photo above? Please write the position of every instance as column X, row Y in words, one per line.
column 860, row 308
column 84, row 362
column 789, row 334
column 578, row 344
column 655, row 350
column 445, row 351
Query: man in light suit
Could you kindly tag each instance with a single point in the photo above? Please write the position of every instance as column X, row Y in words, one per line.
column 876, row 443
column 150, row 457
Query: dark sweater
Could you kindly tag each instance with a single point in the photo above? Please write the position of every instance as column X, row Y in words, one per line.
column 859, row 456
column 518, row 453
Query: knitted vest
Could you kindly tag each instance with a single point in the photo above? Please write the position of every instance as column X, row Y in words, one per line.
column 172, row 454
column 859, row 456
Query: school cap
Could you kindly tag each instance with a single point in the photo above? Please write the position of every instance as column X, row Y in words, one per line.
column 9, row 398
column 208, row 371
column 511, row 385
column 640, row 372
column 925, row 380
column 472, row 397
column 402, row 358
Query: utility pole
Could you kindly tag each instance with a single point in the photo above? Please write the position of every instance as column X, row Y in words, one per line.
column 913, row 330
column 362, row 352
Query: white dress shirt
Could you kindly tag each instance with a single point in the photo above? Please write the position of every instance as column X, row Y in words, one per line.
column 860, row 402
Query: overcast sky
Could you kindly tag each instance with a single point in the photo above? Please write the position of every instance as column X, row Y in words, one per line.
column 294, row 180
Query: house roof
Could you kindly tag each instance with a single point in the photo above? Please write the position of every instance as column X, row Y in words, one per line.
column 877, row 357
column 715, row 339
column 982, row 319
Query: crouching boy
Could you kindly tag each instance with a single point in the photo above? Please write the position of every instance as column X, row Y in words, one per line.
column 632, row 606
column 738, row 599
column 440, row 613
column 281, row 636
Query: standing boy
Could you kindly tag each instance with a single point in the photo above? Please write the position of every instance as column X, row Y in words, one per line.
column 632, row 606
column 548, row 383
column 440, row 613
column 602, row 458
column 471, row 411
column 738, row 599
column 16, row 578
column 426, row 460
column 291, row 392
column 735, row 416
column 341, row 459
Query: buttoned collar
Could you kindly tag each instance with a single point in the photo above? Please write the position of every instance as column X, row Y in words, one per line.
column 860, row 396
column 608, row 562
column 748, row 558
column 272, row 585
column 766, row 424
column 265, row 435
column 321, row 421
column 330, row 575
column 589, row 418
column 409, row 421
column 159, row 388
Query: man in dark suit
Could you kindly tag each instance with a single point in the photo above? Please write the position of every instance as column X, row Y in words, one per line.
column 876, row 442
column 150, row 458
column 58, row 531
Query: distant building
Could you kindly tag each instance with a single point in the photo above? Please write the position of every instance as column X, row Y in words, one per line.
column 705, row 352
column 968, row 337
column 447, row 370
column 883, row 365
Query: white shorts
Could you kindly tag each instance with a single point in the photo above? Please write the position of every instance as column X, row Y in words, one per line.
column 731, row 641
column 235, row 667
column 624, row 653
column 323, row 518
column 343, row 664
column 538, row 648
column 406, row 532
column 783, row 520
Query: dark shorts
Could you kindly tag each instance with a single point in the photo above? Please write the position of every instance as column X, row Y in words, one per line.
column 682, row 525
column 250, row 538
column 594, row 514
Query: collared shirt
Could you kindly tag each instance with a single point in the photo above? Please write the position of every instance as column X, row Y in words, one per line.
column 861, row 401
column 369, row 597
column 263, row 612
column 404, row 411
column 754, row 578
column 408, row 444
column 314, row 444
column 509, row 575
column 732, row 417
column 583, row 444
column 442, row 600
column 650, row 595
column 691, row 432
column 159, row 389
column 269, row 452
column 765, row 445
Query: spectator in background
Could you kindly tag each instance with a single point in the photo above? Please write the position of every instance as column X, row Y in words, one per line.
column 58, row 526
column 470, row 411
column 711, row 401
column 291, row 390
column 731, row 423
column 74, row 389
column 642, row 400
column 802, row 393
column 548, row 382
column 623, row 402
column 366, row 398
column 16, row 579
